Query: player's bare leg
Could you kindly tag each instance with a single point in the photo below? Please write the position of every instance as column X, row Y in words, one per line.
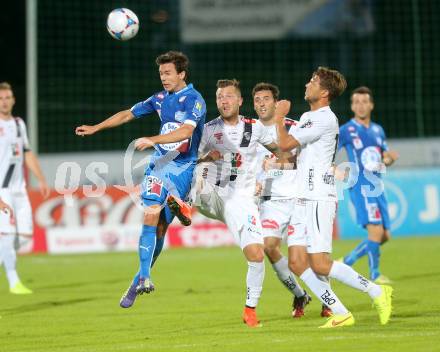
column 254, row 254
column 280, row 264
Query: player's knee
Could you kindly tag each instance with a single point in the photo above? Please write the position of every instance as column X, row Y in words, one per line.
column 320, row 268
column 272, row 252
column 297, row 265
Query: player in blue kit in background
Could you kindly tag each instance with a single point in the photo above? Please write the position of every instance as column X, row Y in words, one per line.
column 366, row 147
column 168, row 176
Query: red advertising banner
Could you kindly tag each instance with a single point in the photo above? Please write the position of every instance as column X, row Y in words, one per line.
column 108, row 221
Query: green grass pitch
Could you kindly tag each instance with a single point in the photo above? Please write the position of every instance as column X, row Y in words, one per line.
column 198, row 304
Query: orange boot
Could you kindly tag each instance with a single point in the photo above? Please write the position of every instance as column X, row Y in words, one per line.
column 250, row 318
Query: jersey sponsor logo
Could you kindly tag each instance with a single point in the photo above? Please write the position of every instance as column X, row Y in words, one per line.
column 371, row 158
column 270, row 224
column 246, row 120
column 218, row 138
column 307, row 124
column 197, row 110
column 310, row 181
column 357, row 143
column 181, row 146
column 290, row 230
column 160, row 96
column 327, row 298
column 247, row 136
column 154, row 185
column 351, row 128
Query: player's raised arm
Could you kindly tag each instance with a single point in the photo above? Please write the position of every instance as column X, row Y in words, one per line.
column 180, row 134
column 117, row 119
column 286, row 142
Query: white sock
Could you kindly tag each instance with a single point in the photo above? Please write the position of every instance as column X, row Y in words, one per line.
column 254, row 282
column 323, row 291
column 286, row 277
column 348, row 276
column 9, row 258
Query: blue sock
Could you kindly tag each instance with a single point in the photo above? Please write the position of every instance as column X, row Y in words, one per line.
column 358, row 252
column 147, row 245
column 373, row 259
column 158, row 249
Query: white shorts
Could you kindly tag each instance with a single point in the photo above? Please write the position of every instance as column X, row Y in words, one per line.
column 22, row 220
column 282, row 218
column 239, row 213
column 319, row 218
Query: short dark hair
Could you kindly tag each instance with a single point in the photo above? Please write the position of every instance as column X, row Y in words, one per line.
column 266, row 86
column 179, row 59
column 223, row 83
column 362, row 90
column 5, row 86
column 331, row 80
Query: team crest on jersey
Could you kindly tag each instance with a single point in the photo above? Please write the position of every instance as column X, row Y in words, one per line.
column 270, row 224
column 218, row 138
column 252, row 220
column 290, row 230
column 307, row 124
column 154, row 186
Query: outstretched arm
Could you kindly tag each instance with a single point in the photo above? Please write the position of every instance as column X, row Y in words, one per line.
column 116, row 120
column 286, row 142
column 180, row 134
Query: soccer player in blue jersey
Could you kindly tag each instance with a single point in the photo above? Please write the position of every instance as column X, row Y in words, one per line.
column 365, row 143
column 168, row 176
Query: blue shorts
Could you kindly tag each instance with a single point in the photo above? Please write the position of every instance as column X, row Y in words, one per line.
column 370, row 210
column 173, row 178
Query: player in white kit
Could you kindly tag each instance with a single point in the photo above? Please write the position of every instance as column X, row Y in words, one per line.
column 317, row 140
column 277, row 197
column 225, row 183
column 14, row 152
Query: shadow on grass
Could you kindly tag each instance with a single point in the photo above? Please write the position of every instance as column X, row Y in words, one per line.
column 46, row 305
column 84, row 283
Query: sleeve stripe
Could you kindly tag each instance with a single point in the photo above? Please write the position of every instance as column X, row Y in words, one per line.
column 190, row 122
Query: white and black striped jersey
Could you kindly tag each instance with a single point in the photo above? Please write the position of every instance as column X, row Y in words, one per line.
column 236, row 171
column 277, row 184
column 13, row 144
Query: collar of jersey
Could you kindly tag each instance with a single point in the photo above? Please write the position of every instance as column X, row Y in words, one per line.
column 324, row 108
column 189, row 86
column 360, row 125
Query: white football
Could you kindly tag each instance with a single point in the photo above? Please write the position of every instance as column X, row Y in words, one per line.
column 122, row 24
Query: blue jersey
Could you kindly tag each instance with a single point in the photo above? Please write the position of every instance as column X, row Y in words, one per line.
column 364, row 147
column 174, row 109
